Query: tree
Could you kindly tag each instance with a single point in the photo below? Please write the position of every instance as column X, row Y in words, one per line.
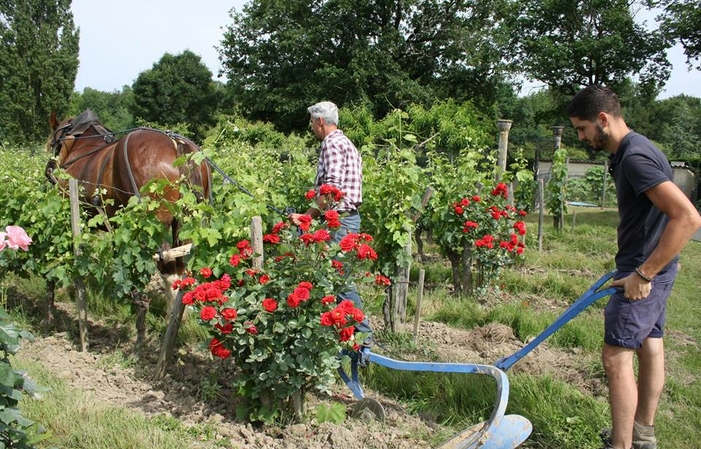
column 572, row 43
column 39, row 55
column 113, row 108
column 177, row 90
column 681, row 21
column 280, row 56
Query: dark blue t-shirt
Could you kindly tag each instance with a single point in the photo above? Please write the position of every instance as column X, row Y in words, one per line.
column 637, row 166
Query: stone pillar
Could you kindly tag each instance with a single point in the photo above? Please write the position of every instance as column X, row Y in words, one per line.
column 557, row 133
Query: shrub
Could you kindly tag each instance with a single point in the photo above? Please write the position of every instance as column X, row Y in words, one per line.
column 280, row 323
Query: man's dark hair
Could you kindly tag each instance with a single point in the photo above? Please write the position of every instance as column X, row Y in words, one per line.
column 593, row 99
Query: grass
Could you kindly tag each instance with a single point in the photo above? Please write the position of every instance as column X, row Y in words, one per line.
column 563, row 416
column 77, row 421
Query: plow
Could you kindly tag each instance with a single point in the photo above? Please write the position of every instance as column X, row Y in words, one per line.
column 500, row 431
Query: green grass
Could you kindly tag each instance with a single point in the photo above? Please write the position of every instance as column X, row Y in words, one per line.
column 77, row 421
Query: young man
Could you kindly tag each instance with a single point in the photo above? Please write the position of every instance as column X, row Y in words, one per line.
column 340, row 165
column 656, row 221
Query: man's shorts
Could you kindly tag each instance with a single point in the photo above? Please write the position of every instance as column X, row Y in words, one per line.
column 627, row 323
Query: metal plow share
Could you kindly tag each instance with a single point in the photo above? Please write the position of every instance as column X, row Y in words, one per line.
column 501, row 431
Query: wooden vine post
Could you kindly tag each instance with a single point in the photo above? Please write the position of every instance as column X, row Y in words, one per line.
column 400, row 292
column 79, row 286
column 176, row 315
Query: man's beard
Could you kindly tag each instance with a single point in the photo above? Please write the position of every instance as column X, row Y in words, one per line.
column 600, row 139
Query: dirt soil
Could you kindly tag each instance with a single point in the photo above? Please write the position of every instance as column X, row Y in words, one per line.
column 182, row 393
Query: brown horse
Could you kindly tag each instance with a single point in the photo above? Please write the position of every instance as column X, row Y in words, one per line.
column 116, row 169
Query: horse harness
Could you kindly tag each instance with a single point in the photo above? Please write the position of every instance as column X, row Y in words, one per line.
column 80, row 125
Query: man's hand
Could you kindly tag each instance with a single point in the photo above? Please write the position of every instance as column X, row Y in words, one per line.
column 634, row 287
column 295, row 218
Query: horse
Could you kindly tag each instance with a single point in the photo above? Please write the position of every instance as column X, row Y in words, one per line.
column 111, row 168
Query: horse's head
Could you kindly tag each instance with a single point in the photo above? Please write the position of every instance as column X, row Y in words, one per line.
column 65, row 133
column 60, row 132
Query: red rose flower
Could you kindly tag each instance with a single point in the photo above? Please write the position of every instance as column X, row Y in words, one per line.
column 208, row 313
column 206, row 272
column 270, row 305
column 229, row 314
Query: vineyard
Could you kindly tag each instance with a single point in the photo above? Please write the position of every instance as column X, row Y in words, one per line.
column 485, row 296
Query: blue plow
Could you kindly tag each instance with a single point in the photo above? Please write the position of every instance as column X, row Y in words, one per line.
column 501, row 431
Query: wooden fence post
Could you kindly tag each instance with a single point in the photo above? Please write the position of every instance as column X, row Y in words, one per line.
column 419, row 297
column 541, row 213
column 79, row 287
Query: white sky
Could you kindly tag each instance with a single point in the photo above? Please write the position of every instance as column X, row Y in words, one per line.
column 121, row 38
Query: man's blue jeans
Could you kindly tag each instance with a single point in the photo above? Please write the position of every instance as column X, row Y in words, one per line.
column 351, row 224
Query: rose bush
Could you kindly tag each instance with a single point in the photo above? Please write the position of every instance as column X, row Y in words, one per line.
column 481, row 235
column 15, row 430
column 281, row 323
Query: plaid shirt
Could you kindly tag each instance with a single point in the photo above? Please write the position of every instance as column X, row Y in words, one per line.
column 341, row 166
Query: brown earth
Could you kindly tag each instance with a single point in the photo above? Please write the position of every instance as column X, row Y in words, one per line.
column 183, row 393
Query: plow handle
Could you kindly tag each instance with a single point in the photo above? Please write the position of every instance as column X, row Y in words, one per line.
column 589, row 297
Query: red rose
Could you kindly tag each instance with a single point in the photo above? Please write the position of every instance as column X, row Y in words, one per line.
column 310, row 194
column 346, row 333
column 206, row 272
column 229, row 314
column 208, row 313
column 234, row 260
column 271, row 238
column 270, row 305
column 329, row 299
column 264, row 279
column 293, row 300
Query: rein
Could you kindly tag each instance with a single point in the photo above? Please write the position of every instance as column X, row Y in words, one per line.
column 288, row 210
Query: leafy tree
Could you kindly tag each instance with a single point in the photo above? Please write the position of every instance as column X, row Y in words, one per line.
column 113, row 108
column 177, row 90
column 39, row 54
column 281, row 56
column 681, row 21
column 677, row 127
column 569, row 44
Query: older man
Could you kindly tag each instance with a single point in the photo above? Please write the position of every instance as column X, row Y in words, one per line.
column 340, row 165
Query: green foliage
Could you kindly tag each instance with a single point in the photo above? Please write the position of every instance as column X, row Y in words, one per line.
column 113, row 108
column 334, row 413
column 40, row 61
column 576, row 43
column 680, row 22
column 15, row 429
column 178, row 89
column 556, row 188
column 374, row 52
column 589, row 188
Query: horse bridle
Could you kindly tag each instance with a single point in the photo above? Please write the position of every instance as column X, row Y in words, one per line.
column 56, row 140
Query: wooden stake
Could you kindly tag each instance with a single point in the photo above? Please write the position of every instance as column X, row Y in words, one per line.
column 79, row 287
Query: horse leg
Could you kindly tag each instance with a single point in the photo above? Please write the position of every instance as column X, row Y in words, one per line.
column 141, row 302
column 48, row 321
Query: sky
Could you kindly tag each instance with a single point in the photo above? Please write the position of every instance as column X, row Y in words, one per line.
column 121, row 39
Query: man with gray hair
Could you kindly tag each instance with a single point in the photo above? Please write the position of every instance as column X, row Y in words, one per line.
column 340, row 165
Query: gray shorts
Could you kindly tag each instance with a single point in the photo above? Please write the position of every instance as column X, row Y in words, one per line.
column 627, row 323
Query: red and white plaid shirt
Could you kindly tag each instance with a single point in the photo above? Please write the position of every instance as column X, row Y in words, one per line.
column 341, row 166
